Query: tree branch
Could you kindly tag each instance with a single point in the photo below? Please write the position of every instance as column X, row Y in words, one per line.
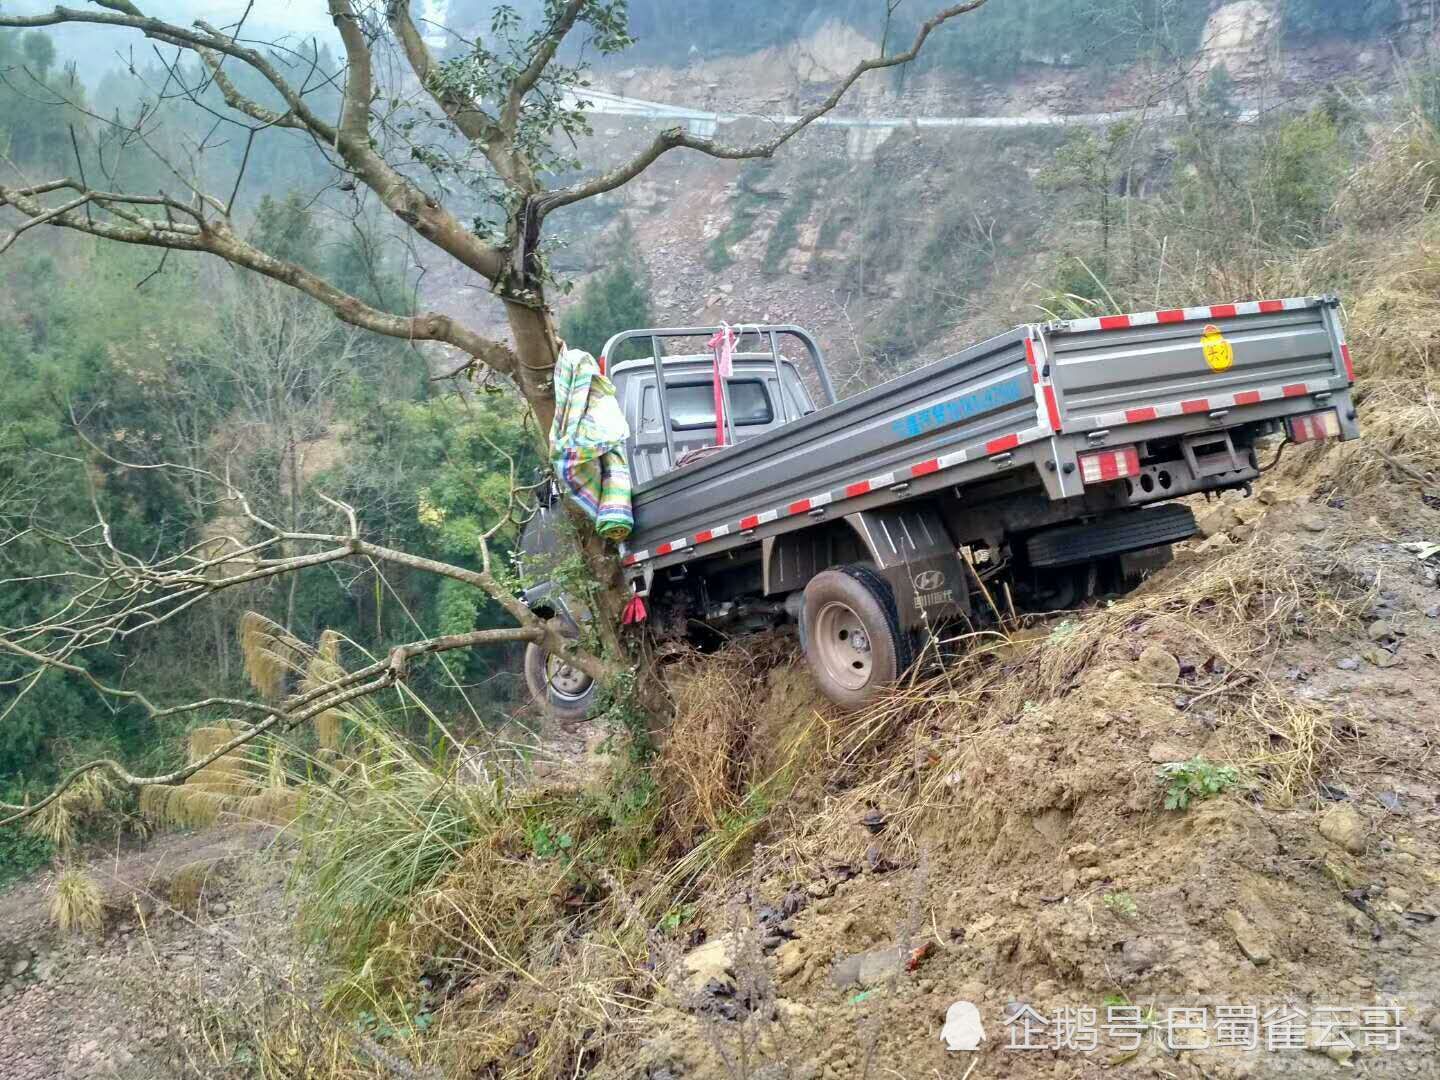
column 673, row 138
column 472, row 121
column 217, row 237
column 203, row 37
column 350, row 138
column 330, row 696
column 526, row 80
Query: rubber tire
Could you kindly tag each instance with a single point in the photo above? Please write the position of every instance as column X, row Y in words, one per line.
column 557, row 706
column 866, row 594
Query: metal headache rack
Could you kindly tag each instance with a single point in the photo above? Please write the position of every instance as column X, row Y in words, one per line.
column 770, row 333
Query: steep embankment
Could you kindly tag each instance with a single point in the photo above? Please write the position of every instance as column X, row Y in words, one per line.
column 1001, row 836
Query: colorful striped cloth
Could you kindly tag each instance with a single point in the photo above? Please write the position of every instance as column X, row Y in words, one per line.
column 587, row 443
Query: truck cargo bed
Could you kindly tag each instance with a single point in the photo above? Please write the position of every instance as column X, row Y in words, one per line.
column 1031, row 399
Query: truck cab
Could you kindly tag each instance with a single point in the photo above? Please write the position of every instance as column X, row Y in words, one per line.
column 762, row 396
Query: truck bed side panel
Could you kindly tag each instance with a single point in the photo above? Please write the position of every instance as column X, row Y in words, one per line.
column 964, row 400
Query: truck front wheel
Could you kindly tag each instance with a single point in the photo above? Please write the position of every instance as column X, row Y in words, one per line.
column 565, row 692
column 851, row 635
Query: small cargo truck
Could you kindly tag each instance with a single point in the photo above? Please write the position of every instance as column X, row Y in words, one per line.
column 1031, row 470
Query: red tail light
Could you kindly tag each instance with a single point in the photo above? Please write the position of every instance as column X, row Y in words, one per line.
column 1105, row 465
column 1314, row 427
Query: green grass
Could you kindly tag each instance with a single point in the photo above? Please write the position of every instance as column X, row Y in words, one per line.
column 388, row 827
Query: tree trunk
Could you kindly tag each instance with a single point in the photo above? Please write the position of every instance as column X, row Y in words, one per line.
column 537, row 344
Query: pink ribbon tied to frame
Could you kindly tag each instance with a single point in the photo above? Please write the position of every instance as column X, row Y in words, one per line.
column 722, row 349
column 634, row 612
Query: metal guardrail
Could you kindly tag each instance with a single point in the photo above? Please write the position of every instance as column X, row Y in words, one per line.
column 704, row 122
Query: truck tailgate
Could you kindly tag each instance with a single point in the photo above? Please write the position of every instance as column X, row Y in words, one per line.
column 1128, row 369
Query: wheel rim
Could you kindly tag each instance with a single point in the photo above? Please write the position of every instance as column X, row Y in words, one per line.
column 842, row 645
column 566, row 681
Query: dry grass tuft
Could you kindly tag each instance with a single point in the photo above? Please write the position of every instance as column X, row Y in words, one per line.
column 82, row 801
column 1283, row 744
column 271, row 654
column 233, row 774
column 186, row 807
column 188, row 885
column 324, row 667
column 248, row 784
column 76, row 905
column 704, row 765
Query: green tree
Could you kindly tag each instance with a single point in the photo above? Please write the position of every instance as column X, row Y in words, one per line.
column 1301, row 166
column 469, row 154
column 1309, row 19
column 1093, row 165
column 39, row 52
column 286, row 228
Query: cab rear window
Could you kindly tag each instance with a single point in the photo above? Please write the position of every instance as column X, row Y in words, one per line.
column 692, row 405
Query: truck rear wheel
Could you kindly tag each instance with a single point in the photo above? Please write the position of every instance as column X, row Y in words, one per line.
column 852, row 637
column 566, row 693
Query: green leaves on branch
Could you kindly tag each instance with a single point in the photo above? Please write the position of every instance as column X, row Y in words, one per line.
column 549, row 116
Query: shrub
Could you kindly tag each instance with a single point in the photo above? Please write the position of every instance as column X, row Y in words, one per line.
column 1302, row 166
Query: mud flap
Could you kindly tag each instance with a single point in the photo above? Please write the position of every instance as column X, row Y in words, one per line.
column 913, row 551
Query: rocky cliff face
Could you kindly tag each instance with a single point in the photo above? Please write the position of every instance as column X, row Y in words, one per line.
column 827, row 276
column 1241, row 37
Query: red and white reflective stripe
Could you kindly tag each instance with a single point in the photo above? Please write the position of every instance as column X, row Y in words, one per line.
column 1189, row 314
column 1002, row 444
column 1209, row 403
column 1316, row 427
column 1044, row 392
column 1105, row 465
column 1345, row 351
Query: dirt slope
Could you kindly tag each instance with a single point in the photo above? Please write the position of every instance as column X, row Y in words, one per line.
column 1042, row 870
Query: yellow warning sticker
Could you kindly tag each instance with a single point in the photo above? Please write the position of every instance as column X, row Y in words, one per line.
column 1218, row 352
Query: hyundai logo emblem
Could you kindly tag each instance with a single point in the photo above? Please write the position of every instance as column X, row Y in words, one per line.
column 929, row 581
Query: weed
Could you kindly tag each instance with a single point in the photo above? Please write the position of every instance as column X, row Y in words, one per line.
column 81, row 804
column 545, row 842
column 388, row 827
column 1194, row 781
column 677, row 917
column 1121, row 904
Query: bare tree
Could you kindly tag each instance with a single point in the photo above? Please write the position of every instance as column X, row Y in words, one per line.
column 493, row 120
column 282, row 359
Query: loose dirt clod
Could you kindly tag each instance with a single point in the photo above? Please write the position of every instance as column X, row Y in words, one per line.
column 1343, row 826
